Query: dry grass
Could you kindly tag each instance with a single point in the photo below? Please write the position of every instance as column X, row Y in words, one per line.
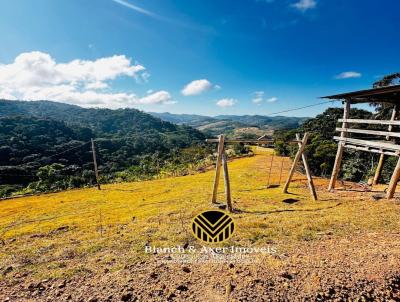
column 112, row 226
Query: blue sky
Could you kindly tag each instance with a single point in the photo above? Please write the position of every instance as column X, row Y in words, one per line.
column 245, row 56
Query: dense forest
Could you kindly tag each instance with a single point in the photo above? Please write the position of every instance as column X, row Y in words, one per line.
column 45, row 146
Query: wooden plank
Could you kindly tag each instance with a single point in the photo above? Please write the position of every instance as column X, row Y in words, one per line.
column 393, row 181
column 295, row 161
column 370, row 132
column 308, row 173
column 227, row 183
column 221, row 150
column 371, row 122
column 96, row 171
column 368, row 149
column 339, row 152
column 366, row 143
column 382, row 157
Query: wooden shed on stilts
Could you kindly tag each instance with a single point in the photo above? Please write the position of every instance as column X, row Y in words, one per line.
column 382, row 142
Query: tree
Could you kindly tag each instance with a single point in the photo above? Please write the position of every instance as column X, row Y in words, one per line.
column 383, row 109
column 388, row 80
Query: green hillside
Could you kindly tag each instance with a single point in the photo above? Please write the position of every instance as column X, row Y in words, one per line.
column 45, row 145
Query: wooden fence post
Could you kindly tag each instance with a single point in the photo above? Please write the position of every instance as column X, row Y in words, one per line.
column 221, row 150
column 295, row 161
column 227, row 183
column 270, row 168
column 96, row 172
column 308, row 172
column 339, row 153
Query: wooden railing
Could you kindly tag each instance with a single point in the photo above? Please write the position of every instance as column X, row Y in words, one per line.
column 369, row 132
column 371, row 122
column 366, row 143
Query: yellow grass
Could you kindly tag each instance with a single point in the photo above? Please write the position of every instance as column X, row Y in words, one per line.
column 114, row 224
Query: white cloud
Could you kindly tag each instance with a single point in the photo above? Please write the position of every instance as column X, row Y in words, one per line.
column 158, row 97
column 96, row 85
column 258, row 97
column 304, row 5
column 226, row 102
column 197, row 87
column 37, row 76
column 348, row 75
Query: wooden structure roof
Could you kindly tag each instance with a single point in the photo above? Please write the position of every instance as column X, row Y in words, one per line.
column 388, row 94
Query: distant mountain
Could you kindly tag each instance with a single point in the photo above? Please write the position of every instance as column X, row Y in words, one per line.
column 193, row 120
column 233, row 125
column 272, row 122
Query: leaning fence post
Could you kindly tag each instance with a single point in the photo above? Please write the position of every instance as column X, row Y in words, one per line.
column 295, row 161
column 96, row 172
column 227, row 183
column 221, row 148
column 308, row 172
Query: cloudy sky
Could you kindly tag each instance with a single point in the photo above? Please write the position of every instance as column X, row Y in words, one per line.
column 205, row 57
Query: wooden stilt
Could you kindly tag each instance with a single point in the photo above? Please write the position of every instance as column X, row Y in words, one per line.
column 394, row 180
column 308, row 172
column 378, row 170
column 339, row 153
column 227, row 183
column 295, row 161
column 221, row 148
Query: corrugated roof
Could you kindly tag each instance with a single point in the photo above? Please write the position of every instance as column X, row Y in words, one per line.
column 388, row 94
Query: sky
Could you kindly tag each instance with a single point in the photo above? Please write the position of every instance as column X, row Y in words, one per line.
column 204, row 57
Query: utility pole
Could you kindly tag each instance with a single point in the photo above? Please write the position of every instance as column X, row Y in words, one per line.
column 96, row 172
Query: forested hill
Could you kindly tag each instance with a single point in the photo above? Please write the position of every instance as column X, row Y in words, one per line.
column 101, row 121
column 44, row 145
column 272, row 122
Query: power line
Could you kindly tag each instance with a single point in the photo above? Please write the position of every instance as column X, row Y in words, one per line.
column 303, row 107
column 65, row 151
column 50, row 156
column 24, row 175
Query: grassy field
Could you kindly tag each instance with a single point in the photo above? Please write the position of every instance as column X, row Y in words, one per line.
column 42, row 231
